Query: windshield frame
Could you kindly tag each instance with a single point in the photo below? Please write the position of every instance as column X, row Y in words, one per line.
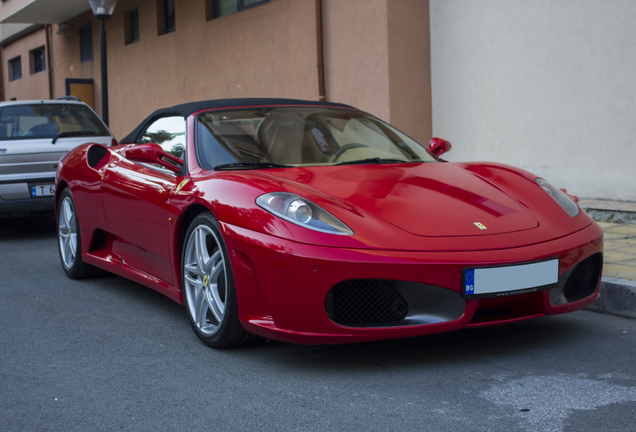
column 208, row 139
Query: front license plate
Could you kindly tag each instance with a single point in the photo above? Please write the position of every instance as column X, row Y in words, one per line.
column 42, row 190
column 512, row 279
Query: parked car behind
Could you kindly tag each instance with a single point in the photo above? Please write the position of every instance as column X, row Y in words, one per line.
column 34, row 136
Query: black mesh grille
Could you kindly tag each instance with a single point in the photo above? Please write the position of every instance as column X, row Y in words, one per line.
column 584, row 279
column 365, row 303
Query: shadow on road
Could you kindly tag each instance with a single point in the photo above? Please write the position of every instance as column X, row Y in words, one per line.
column 28, row 226
column 482, row 345
column 476, row 346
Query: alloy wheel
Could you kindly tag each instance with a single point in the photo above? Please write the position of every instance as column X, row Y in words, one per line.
column 205, row 280
column 67, row 232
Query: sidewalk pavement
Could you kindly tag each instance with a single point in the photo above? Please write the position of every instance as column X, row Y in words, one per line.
column 618, row 285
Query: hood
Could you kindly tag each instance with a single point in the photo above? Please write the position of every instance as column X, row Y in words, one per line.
column 429, row 199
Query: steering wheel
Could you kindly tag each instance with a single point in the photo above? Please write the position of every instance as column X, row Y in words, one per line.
column 345, row 148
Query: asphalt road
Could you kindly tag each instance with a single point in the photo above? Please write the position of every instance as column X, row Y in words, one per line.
column 108, row 354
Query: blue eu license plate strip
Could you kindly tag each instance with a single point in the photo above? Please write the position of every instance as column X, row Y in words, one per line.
column 511, row 279
column 42, row 190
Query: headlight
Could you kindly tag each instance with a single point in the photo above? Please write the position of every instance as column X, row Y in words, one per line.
column 302, row 212
column 564, row 201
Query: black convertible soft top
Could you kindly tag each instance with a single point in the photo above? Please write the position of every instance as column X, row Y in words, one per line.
column 187, row 109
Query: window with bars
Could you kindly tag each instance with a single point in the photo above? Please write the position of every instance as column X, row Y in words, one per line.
column 38, row 60
column 15, row 69
column 221, row 8
column 86, row 43
column 166, row 22
column 169, row 16
column 131, row 27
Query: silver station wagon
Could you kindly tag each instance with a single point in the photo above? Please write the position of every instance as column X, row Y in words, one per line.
column 34, row 135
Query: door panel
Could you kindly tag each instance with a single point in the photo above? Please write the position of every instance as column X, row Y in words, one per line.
column 136, row 206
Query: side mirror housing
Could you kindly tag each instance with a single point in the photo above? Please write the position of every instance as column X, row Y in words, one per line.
column 439, row 146
column 153, row 154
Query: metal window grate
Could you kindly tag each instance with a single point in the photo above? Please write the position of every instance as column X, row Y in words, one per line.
column 86, row 42
column 15, row 68
column 38, row 60
column 134, row 26
column 169, row 23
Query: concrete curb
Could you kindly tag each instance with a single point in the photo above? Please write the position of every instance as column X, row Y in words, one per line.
column 617, row 297
column 611, row 216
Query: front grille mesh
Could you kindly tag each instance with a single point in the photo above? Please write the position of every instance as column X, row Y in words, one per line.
column 584, row 279
column 365, row 303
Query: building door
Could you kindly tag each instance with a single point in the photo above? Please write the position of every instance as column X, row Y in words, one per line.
column 82, row 89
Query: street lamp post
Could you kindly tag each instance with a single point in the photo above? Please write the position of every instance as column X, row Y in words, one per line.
column 103, row 9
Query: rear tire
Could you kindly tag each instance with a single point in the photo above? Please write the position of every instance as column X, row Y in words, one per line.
column 69, row 241
column 209, row 294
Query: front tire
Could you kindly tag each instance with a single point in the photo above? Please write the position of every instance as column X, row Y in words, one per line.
column 209, row 293
column 69, row 241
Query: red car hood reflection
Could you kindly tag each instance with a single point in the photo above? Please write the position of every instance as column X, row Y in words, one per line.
column 429, row 199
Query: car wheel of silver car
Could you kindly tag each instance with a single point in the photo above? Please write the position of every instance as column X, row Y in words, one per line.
column 209, row 293
column 69, row 241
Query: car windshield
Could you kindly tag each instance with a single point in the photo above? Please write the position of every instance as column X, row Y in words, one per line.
column 300, row 136
column 42, row 120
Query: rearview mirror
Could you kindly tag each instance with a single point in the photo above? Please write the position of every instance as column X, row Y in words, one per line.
column 439, row 146
column 153, row 153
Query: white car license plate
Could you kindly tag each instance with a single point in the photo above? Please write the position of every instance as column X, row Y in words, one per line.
column 512, row 279
column 42, row 190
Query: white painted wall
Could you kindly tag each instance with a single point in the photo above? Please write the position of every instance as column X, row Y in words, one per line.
column 546, row 85
column 8, row 30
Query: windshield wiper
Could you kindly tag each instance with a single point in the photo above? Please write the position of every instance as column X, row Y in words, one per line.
column 375, row 160
column 72, row 134
column 250, row 165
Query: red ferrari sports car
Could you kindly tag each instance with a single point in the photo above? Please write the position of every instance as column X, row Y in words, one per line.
column 314, row 222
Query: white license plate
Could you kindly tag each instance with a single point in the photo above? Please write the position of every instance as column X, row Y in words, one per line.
column 42, row 190
column 508, row 280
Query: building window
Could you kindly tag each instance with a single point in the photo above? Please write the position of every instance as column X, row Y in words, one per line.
column 86, row 43
column 131, row 26
column 38, row 60
column 15, row 69
column 165, row 16
column 220, row 8
column 169, row 16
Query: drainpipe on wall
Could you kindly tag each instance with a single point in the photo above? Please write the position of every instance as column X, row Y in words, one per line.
column 1, row 76
column 320, row 57
column 48, row 59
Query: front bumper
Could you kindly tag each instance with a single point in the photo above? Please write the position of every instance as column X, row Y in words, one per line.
column 283, row 286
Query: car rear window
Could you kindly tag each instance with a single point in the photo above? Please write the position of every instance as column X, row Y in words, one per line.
column 43, row 120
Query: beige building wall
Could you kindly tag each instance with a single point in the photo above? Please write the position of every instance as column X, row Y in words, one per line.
column 356, row 53
column 65, row 55
column 30, row 86
column 410, row 68
column 265, row 51
column 377, row 58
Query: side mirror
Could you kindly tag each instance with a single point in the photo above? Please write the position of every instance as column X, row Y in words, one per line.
column 153, row 153
column 439, row 146
column 572, row 197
